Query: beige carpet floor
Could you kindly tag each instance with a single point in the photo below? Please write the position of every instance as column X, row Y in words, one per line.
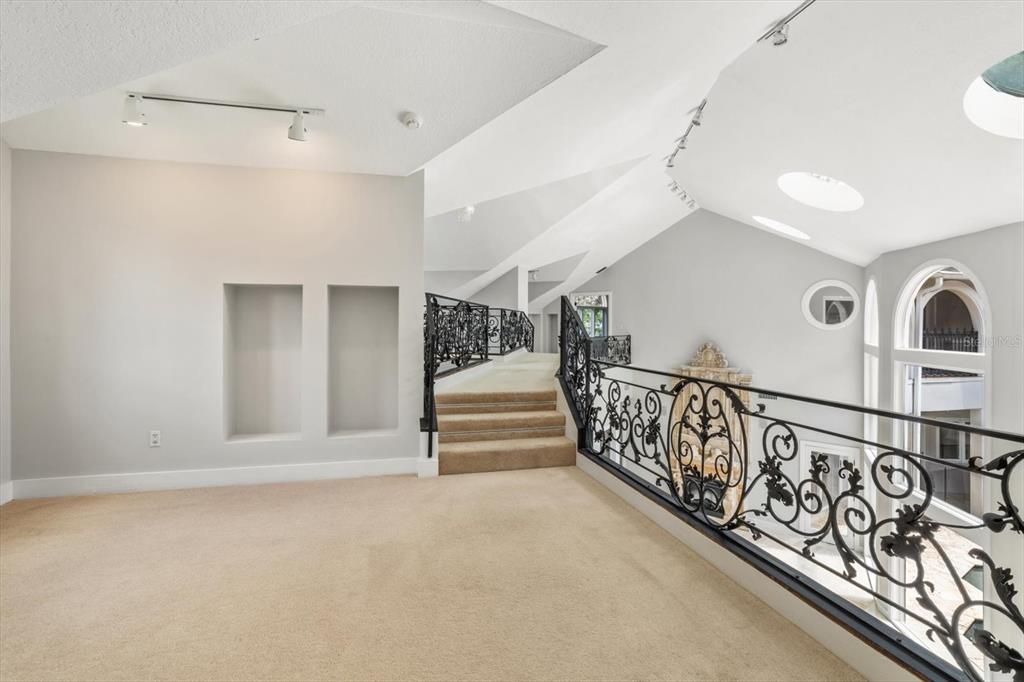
column 539, row 574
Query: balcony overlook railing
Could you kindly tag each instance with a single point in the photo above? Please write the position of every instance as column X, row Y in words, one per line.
column 460, row 334
column 807, row 491
column 960, row 340
column 508, row 330
column 617, row 349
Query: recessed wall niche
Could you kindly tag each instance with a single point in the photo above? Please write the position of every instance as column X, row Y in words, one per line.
column 263, row 361
column 363, row 358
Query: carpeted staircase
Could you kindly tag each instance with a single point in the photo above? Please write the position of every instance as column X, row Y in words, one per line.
column 497, row 431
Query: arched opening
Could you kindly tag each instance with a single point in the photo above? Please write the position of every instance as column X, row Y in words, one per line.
column 941, row 308
column 940, row 322
column 939, row 370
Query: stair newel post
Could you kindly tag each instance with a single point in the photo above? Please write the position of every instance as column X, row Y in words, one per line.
column 429, row 365
column 484, row 332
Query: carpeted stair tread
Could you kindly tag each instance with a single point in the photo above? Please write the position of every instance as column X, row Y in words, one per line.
column 503, row 434
column 469, row 398
column 490, row 408
column 495, row 421
column 503, row 455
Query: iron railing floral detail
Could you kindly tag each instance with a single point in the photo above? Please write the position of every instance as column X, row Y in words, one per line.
column 617, row 348
column 457, row 335
column 871, row 519
column 508, row 330
column 454, row 338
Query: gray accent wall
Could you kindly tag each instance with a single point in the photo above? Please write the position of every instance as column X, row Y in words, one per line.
column 710, row 278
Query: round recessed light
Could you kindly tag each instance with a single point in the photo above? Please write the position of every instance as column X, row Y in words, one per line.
column 785, row 229
column 994, row 101
column 820, row 191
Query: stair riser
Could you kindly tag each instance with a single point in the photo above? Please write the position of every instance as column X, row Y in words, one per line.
column 470, row 436
column 482, row 408
column 471, row 463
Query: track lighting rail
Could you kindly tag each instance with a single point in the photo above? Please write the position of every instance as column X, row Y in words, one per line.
column 307, row 111
column 784, row 21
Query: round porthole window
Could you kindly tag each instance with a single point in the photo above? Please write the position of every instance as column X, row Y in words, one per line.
column 830, row 304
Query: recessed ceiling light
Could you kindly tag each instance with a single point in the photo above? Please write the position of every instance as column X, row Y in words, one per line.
column 995, row 100
column 466, row 214
column 785, row 229
column 820, row 191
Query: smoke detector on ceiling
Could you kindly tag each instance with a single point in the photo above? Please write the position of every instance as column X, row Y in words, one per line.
column 412, row 120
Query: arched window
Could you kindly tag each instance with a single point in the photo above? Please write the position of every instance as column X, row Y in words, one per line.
column 941, row 308
column 940, row 369
column 871, row 314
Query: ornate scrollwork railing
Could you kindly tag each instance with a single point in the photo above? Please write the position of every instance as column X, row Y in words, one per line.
column 508, row 330
column 454, row 338
column 617, row 349
column 868, row 513
column 459, row 334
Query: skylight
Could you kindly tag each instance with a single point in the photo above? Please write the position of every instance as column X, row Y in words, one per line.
column 995, row 100
column 820, row 191
column 785, row 229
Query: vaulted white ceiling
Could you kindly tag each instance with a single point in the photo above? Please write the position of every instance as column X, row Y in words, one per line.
column 870, row 93
column 458, row 65
column 551, row 117
column 631, row 99
column 501, row 226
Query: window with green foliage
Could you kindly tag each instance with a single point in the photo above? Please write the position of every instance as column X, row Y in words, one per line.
column 593, row 309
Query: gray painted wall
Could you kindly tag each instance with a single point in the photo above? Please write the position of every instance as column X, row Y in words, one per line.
column 710, row 278
column 118, row 305
column 508, row 291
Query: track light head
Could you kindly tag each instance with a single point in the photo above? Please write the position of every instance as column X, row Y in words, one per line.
column 780, row 36
column 132, row 114
column 297, row 130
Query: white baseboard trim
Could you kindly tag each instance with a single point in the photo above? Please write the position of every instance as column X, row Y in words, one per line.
column 859, row 655
column 6, row 492
column 204, row 478
column 427, row 467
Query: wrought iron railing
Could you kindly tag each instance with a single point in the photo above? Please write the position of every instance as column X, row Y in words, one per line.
column 458, row 335
column 617, row 348
column 508, row 330
column 961, row 340
column 808, row 492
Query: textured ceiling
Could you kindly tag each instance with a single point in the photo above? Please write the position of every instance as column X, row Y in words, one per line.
column 458, row 65
column 53, row 51
column 872, row 94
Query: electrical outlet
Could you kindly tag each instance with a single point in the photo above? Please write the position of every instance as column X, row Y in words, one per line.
column 154, row 439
